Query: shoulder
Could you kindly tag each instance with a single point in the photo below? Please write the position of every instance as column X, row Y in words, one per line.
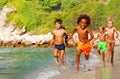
column 54, row 31
column 62, row 30
column 106, row 28
column 77, row 27
column 114, row 28
column 87, row 29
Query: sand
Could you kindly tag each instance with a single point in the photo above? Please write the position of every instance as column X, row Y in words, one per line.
column 110, row 71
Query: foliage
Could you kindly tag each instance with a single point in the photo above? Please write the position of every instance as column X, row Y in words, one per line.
column 39, row 15
column 3, row 3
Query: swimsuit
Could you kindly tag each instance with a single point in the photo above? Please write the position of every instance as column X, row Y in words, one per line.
column 102, row 46
column 86, row 48
column 110, row 41
column 60, row 46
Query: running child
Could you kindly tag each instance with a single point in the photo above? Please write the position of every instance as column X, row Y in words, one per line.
column 102, row 45
column 83, row 31
column 110, row 31
column 58, row 40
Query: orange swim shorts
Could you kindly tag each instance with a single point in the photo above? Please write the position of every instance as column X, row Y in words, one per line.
column 86, row 48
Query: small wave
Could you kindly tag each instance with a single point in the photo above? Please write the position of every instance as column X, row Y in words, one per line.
column 47, row 73
column 93, row 60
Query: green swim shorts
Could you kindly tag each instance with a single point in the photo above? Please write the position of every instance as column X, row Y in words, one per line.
column 102, row 46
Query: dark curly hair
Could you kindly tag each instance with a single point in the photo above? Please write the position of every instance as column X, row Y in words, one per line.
column 58, row 21
column 103, row 28
column 84, row 16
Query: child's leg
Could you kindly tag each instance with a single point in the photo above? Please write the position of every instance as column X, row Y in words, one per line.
column 56, row 55
column 78, row 59
column 103, row 58
column 112, row 51
column 62, row 55
column 108, row 50
column 86, row 57
column 98, row 52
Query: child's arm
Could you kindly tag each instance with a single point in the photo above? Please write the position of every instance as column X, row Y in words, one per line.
column 74, row 44
column 74, row 30
column 95, row 39
column 91, row 35
column 116, row 33
column 66, row 33
column 70, row 38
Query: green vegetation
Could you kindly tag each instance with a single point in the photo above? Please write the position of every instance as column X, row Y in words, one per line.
column 2, row 3
column 39, row 15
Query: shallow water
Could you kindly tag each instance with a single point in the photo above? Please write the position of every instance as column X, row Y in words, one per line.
column 32, row 63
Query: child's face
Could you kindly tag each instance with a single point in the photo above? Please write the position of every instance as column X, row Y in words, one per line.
column 57, row 25
column 83, row 23
column 100, row 29
column 110, row 24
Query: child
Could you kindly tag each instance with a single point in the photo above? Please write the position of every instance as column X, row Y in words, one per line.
column 83, row 31
column 58, row 39
column 102, row 43
column 110, row 31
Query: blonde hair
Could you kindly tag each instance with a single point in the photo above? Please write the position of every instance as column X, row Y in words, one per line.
column 110, row 19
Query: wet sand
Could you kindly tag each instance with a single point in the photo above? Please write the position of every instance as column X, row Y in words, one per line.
column 110, row 71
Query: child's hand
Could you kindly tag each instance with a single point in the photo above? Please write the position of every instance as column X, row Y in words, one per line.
column 74, row 44
column 69, row 37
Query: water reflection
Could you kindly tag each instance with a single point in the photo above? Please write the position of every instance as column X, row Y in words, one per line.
column 106, row 73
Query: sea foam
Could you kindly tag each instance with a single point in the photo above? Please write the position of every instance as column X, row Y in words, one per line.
column 47, row 73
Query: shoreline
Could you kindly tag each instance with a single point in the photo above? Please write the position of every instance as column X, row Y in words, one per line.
column 110, row 71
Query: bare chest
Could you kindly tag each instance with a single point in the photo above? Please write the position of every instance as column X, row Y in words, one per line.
column 59, row 33
column 82, row 32
column 110, row 31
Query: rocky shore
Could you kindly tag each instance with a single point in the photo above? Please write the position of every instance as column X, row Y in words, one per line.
column 10, row 36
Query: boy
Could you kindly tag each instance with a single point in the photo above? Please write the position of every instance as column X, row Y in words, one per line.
column 102, row 43
column 110, row 31
column 58, row 39
column 83, row 31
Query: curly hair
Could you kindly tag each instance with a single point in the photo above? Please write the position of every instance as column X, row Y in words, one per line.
column 84, row 16
column 58, row 21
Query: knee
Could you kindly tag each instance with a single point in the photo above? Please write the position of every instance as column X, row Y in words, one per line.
column 61, row 57
column 78, row 54
column 112, row 50
column 108, row 49
column 86, row 57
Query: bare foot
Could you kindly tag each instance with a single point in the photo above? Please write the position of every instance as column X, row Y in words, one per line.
column 77, row 69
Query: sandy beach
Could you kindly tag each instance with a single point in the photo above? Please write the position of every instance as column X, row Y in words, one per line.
column 110, row 71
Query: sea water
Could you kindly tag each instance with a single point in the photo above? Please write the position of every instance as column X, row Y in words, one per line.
column 35, row 63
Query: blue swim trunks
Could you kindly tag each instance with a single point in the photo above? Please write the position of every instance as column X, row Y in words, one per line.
column 60, row 46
